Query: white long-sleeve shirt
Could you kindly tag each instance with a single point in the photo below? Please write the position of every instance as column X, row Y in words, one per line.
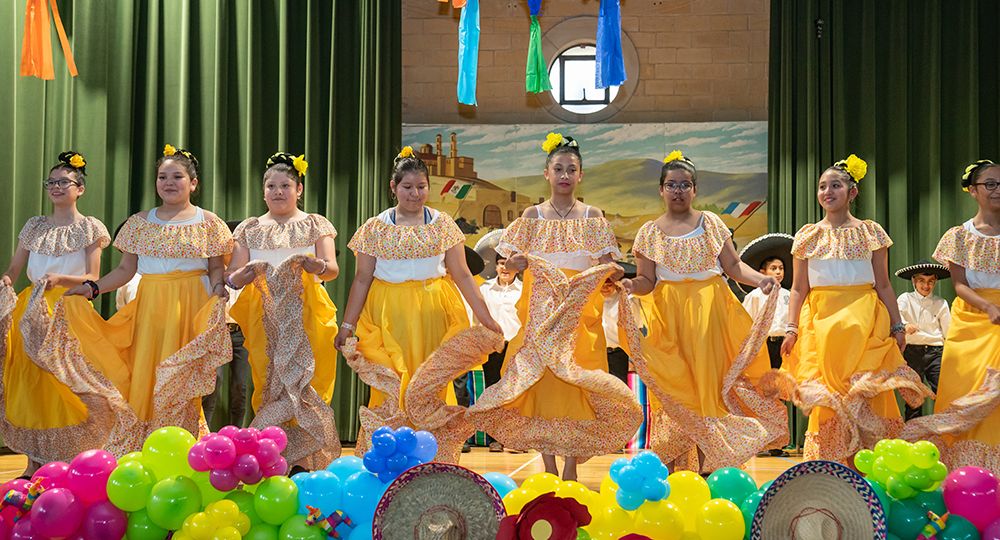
column 754, row 304
column 929, row 314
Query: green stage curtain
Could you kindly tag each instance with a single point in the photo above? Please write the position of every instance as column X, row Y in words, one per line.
column 231, row 80
column 911, row 86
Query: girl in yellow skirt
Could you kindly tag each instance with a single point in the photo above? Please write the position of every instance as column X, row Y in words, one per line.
column 404, row 301
column 844, row 335
column 280, row 262
column 701, row 360
column 161, row 350
column 42, row 417
column 965, row 412
column 554, row 414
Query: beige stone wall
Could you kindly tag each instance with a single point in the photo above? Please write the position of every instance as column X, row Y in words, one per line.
column 699, row 60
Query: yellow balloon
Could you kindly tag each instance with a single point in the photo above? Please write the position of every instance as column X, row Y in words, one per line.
column 610, row 520
column 224, row 512
column 181, row 535
column 690, row 535
column 541, row 483
column 660, row 520
column 242, row 523
column 720, row 519
column 608, row 489
column 200, row 526
column 573, row 490
column 515, row 500
column 688, row 492
column 227, row 533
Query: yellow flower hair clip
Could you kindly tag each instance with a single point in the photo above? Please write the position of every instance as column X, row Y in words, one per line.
column 169, row 149
column 674, row 156
column 300, row 164
column 855, row 166
column 406, row 152
column 77, row 162
column 552, row 141
column 967, row 177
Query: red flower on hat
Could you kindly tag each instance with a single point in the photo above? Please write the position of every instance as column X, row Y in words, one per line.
column 559, row 515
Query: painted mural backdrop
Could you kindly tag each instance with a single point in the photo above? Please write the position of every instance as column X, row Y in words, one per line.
column 486, row 175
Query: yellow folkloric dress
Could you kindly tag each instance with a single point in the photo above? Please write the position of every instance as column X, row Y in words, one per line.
column 161, row 350
column 555, row 395
column 43, row 417
column 845, row 361
column 289, row 324
column 412, row 307
column 703, row 358
column 966, row 420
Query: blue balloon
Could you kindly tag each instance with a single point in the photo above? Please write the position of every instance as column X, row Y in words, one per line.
column 630, row 479
column 388, row 476
column 666, row 485
column 647, row 463
column 616, row 468
column 427, row 446
column 396, row 463
column 384, row 443
column 374, row 462
column 362, row 492
column 301, row 479
column 412, row 462
column 346, row 466
column 406, row 440
column 662, row 472
column 383, row 430
column 629, row 500
column 501, row 482
column 362, row 532
column 321, row 490
column 654, row 489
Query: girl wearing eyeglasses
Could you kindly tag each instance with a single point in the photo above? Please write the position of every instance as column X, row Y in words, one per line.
column 43, row 417
column 694, row 359
column 966, row 408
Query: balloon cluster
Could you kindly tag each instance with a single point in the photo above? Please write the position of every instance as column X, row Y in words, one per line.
column 641, row 479
column 221, row 520
column 394, row 451
column 235, row 455
column 901, row 468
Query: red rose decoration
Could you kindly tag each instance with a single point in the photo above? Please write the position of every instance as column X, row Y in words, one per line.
column 563, row 516
column 635, row 536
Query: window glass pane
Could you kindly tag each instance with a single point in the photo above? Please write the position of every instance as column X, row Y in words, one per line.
column 579, row 81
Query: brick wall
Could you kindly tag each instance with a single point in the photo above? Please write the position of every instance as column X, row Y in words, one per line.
column 699, row 60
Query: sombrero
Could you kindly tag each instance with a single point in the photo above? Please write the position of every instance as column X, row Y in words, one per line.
column 629, row 268
column 486, row 247
column 439, row 501
column 923, row 266
column 767, row 246
column 474, row 261
column 819, row 500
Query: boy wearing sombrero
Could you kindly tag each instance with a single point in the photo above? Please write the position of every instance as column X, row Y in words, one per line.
column 926, row 317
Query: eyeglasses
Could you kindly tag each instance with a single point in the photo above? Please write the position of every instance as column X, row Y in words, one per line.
column 61, row 183
column 990, row 186
column 683, row 187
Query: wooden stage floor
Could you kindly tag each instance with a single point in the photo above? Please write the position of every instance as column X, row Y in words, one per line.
column 518, row 466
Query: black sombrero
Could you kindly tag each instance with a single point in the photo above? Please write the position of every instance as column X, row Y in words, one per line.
column 629, row 268
column 474, row 261
column 486, row 247
column 923, row 266
column 764, row 247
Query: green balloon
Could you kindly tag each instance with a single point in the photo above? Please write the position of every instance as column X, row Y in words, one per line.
column 262, row 531
column 959, row 528
column 276, row 499
column 582, row 535
column 732, row 484
column 864, row 460
column 883, row 497
column 165, row 452
column 244, row 500
column 898, row 488
column 140, row 527
column 918, row 478
column 172, row 500
column 295, row 528
column 932, row 500
column 129, row 486
column 907, row 518
column 209, row 494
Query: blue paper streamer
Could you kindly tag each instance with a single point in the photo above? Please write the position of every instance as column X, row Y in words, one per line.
column 610, row 69
column 468, row 52
column 534, row 6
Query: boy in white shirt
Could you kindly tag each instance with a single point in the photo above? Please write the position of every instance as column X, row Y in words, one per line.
column 927, row 318
column 754, row 304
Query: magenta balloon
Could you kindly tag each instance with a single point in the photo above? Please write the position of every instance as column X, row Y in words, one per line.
column 220, row 452
column 246, row 441
column 17, row 484
column 278, row 468
column 267, row 452
column 88, row 475
column 229, row 431
column 973, row 493
column 24, row 530
column 53, row 474
column 56, row 513
column 196, row 458
column 992, row 531
column 104, row 521
column 223, row 479
column 277, row 435
column 247, row 469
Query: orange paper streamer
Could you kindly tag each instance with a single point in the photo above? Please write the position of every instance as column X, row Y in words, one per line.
column 36, row 48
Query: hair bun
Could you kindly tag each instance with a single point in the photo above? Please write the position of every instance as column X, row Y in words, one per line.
column 74, row 159
column 280, row 157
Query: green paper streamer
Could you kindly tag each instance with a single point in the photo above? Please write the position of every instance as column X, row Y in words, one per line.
column 536, row 75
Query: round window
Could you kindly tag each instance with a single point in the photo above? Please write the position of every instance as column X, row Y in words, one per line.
column 572, row 74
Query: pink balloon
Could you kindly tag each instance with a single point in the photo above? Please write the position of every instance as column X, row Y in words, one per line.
column 229, row 431
column 277, row 435
column 23, row 530
column 245, row 441
column 104, row 521
column 53, row 474
column 17, row 484
column 267, row 452
column 223, row 479
column 88, row 475
column 6, row 525
column 973, row 493
column 196, row 458
column 56, row 513
column 279, row 468
column 247, row 469
column 220, row 452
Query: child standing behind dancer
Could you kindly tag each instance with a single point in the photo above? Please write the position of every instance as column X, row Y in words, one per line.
column 501, row 295
column 42, row 417
column 694, row 354
column 844, row 335
column 926, row 317
column 289, row 322
column 967, row 409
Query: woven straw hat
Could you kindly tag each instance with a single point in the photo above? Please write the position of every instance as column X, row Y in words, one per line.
column 439, row 501
column 819, row 500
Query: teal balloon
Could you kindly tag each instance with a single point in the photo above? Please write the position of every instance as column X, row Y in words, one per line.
column 262, row 531
column 891, row 536
column 765, row 485
column 140, row 527
column 295, row 528
column 502, row 483
column 732, row 484
column 932, row 500
column 883, row 497
column 907, row 518
column 172, row 500
column 959, row 528
column 749, row 508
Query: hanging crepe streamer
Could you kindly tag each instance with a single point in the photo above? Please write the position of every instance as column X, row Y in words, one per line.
column 610, row 64
column 641, row 440
column 536, row 75
column 455, row 3
column 36, row 48
column 468, row 52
